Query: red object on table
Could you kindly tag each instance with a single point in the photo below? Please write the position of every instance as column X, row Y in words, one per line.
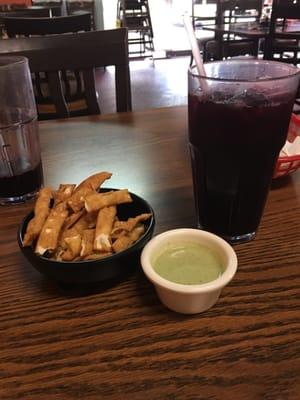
column 287, row 164
column 15, row 2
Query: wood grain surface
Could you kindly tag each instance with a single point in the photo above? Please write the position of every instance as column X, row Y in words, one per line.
column 121, row 343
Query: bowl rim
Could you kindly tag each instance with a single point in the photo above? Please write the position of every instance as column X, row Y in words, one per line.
column 198, row 234
column 79, row 263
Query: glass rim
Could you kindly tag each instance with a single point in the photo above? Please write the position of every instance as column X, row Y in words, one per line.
column 11, row 60
column 281, row 77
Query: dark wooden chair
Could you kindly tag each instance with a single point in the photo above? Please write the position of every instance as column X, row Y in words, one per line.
column 31, row 12
column 74, row 6
column 31, row 26
column 17, row 26
column 278, row 45
column 225, row 46
column 54, row 5
column 53, row 9
column 81, row 52
column 34, row 11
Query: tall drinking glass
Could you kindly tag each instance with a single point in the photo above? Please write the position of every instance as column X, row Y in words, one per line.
column 21, row 173
column 239, row 115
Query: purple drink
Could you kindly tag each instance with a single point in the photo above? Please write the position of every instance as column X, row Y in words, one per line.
column 236, row 132
column 27, row 183
column 21, row 173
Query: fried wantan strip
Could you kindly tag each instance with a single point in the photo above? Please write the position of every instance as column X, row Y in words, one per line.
column 73, row 248
column 63, row 193
column 97, row 256
column 73, row 218
column 41, row 212
column 48, row 238
column 124, row 241
column 130, row 224
column 87, row 242
column 91, row 219
column 82, row 224
column 95, row 181
column 97, row 201
column 137, row 232
column 104, row 226
column 76, row 201
column 76, row 229
column 88, row 186
column 117, row 234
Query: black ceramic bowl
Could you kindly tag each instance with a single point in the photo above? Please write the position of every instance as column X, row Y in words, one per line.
column 92, row 272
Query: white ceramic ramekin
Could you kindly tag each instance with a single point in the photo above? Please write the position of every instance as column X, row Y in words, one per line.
column 189, row 299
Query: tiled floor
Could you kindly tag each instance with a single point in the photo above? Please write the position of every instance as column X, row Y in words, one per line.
column 162, row 83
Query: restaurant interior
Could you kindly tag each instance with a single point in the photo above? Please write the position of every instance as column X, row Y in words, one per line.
column 135, row 142
column 157, row 42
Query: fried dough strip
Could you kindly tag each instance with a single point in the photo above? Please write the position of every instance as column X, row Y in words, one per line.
column 48, row 238
column 76, row 201
column 41, row 212
column 130, row 224
column 73, row 248
column 95, row 181
column 91, row 218
column 87, row 242
column 104, row 226
column 124, row 241
column 76, row 229
column 88, row 186
column 97, row 256
column 137, row 232
column 63, row 193
column 73, row 218
column 96, row 201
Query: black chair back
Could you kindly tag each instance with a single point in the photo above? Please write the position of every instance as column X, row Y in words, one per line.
column 285, row 9
column 82, row 52
column 30, row 26
column 228, row 45
column 282, row 46
column 231, row 11
column 34, row 11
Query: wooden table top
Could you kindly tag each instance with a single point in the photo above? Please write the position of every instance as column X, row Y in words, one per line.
column 122, row 343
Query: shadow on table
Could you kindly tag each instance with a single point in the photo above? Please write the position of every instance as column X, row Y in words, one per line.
column 69, row 290
column 280, row 182
column 149, row 299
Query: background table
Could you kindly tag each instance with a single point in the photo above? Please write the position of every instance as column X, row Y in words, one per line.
column 122, row 343
column 251, row 30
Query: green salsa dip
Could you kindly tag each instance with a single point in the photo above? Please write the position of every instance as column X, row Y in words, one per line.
column 188, row 263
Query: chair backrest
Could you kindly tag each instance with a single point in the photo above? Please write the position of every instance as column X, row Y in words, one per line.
column 283, row 10
column 278, row 45
column 238, row 10
column 81, row 52
column 57, row 7
column 34, row 10
column 30, row 26
column 27, row 12
column 232, row 11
